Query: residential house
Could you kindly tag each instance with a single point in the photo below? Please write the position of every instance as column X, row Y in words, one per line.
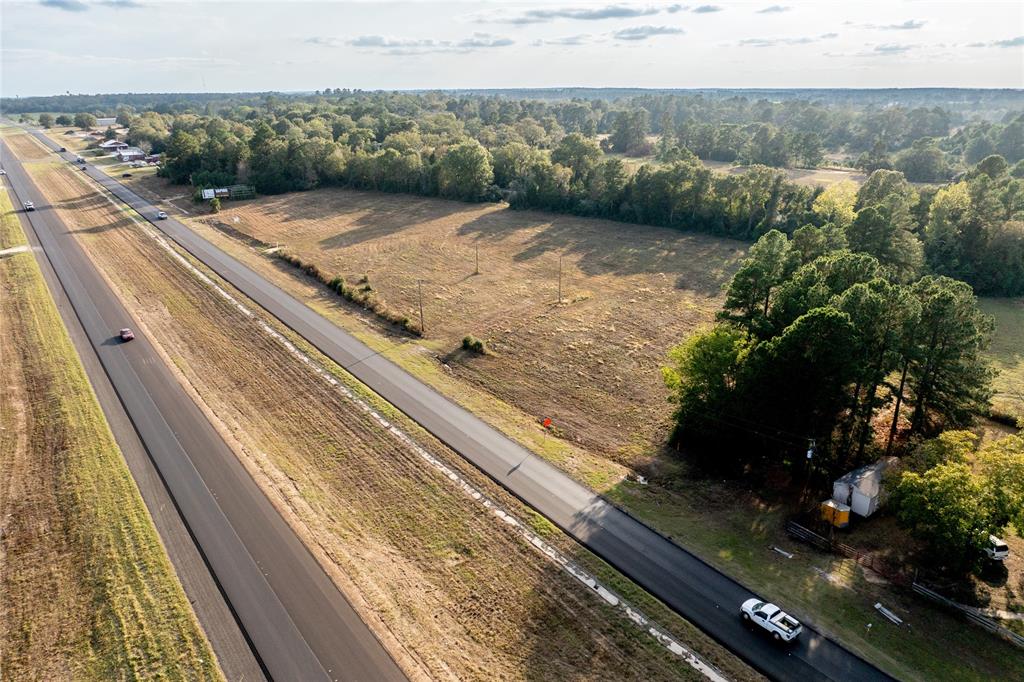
column 130, row 154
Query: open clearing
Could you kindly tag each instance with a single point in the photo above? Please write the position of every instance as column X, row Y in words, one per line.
column 451, row 592
column 1007, row 353
column 811, row 177
column 86, row 589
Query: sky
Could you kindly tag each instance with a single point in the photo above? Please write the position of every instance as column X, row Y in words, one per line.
column 51, row 47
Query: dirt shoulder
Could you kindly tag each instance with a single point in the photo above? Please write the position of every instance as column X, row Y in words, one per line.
column 86, row 588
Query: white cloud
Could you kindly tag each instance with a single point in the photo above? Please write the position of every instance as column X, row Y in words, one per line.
column 774, row 42
column 410, row 46
column 645, row 32
column 545, row 15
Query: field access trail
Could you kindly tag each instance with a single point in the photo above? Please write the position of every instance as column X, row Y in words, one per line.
column 694, row 589
column 298, row 623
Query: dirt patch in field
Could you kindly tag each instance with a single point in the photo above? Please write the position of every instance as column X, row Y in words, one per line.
column 464, row 595
column 591, row 362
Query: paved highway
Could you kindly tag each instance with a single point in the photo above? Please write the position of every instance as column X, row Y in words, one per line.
column 218, row 621
column 298, row 623
column 696, row 590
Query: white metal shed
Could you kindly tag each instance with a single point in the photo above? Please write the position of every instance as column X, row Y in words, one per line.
column 861, row 488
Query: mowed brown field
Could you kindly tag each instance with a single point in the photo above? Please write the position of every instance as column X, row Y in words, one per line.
column 591, row 364
column 25, row 147
column 451, row 591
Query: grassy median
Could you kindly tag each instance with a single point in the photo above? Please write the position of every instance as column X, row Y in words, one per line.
column 86, row 589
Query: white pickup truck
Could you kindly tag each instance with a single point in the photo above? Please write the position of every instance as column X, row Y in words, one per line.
column 784, row 627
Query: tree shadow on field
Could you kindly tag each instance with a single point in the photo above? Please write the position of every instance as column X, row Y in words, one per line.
column 371, row 215
column 700, row 263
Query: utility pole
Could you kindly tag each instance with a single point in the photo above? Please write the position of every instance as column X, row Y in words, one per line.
column 419, row 287
column 477, row 271
column 810, row 467
column 559, row 280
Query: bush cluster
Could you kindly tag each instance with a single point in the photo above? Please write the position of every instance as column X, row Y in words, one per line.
column 362, row 296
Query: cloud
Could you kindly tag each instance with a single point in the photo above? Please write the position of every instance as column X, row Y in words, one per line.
column 908, row 25
column 774, row 9
column 1009, row 42
column 1012, row 42
column 644, row 32
column 539, row 16
column 706, row 9
column 774, row 42
column 79, row 6
column 412, row 46
column 891, row 49
column 66, row 5
column 567, row 41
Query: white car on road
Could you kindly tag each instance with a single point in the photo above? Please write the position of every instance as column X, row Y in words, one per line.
column 784, row 627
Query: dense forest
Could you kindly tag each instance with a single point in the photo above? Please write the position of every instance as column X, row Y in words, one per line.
column 636, row 159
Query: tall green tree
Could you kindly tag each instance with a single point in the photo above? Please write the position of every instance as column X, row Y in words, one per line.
column 465, row 172
column 949, row 377
column 748, row 299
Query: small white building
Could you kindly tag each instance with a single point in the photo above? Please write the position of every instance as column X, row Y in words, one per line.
column 861, row 489
column 113, row 145
column 130, row 154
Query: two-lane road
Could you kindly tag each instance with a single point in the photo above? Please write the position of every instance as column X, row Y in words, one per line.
column 697, row 591
column 298, row 623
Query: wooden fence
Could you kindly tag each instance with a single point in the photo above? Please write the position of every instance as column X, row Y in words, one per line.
column 868, row 559
column 976, row 618
column 865, row 559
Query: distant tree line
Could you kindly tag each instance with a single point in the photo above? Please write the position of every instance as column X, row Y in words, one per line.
column 567, row 156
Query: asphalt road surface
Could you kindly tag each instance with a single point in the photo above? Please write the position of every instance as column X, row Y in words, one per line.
column 697, row 591
column 298, row 623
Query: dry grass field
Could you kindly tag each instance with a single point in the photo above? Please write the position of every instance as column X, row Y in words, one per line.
column 590, row 363
column 86, row 589
column 1007, row 353
column 802, row 176
column 452, row 592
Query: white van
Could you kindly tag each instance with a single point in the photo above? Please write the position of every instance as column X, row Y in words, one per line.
column 996, row 549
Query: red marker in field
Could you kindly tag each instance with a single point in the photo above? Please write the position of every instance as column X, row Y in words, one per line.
column 547, row 422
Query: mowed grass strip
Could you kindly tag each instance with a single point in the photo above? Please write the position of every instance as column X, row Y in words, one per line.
column 86, row 589
column 1007, row 353
column 452, row 591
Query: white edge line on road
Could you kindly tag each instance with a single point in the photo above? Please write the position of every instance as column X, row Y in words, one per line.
column 660, row 634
